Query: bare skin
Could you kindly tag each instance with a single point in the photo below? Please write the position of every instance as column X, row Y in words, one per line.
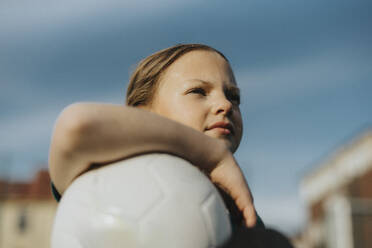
column 180, row 120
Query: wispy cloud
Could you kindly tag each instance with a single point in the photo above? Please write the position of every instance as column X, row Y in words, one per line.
column 30, row 15
column 34, row 128
column 25, row 136
column 333, row 68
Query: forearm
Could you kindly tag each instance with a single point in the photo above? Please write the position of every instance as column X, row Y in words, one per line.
column 88, row 133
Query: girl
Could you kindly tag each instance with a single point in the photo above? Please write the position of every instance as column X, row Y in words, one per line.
column 182, row 100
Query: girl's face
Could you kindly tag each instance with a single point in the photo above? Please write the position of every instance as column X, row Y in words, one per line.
column 199, row 91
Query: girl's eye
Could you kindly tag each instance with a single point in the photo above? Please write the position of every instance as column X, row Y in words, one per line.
column 199, row 91
column 233, row 97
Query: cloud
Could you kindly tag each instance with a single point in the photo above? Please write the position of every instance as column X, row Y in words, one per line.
column 19, row 16
column 34, row 128
column 26, row 131
column 309, row 76
column 25, row 136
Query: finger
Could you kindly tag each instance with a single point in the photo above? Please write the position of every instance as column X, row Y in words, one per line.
column 245, row 204
column 236, row 216
column 250, row 216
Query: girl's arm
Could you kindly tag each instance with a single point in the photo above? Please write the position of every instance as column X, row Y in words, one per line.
column 88, row 134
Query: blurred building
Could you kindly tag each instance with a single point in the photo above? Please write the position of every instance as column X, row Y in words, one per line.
column 26, row 213
column 339, row 198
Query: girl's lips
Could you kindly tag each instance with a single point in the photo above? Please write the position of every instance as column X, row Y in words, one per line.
column 221, row 130
column 222, row 127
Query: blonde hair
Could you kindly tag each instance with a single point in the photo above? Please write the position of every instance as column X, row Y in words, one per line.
column 145, row 78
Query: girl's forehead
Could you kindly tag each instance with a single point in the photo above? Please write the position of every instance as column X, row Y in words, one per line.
column 200, row 65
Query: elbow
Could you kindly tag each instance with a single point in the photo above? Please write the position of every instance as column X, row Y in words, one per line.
column 71, row 127
column 67, row 143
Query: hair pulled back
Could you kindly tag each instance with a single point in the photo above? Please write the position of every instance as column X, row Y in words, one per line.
column 145, row 78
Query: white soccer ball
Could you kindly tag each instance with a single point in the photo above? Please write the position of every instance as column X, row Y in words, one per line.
column 154, row 200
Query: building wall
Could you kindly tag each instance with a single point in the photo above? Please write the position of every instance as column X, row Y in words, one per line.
column 358, row 196
column 339, row 197
column 360, row 192
column 26, row 223
column 361, row 187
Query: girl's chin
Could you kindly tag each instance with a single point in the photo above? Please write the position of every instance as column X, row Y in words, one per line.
column 228, row 139
column 232, row 147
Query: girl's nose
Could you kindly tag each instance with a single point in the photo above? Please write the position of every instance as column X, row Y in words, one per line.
column 222, row 106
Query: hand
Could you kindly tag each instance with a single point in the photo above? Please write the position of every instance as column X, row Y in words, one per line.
column 236, row 217
column 228, row 176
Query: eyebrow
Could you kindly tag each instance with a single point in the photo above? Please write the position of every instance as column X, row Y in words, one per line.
column 209, row 84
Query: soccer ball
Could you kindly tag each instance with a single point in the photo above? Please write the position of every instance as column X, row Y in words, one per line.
column 153, row 200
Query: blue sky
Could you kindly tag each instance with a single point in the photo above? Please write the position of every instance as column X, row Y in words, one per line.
column 304, row 68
